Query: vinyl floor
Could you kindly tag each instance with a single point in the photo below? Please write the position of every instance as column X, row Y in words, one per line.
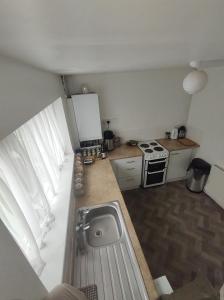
column 181, row 233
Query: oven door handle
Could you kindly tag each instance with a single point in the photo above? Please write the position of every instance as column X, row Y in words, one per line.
column 157, row 162
column 162, row 171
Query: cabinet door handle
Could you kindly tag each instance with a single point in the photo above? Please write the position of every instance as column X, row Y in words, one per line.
column 130, row 162
column 129, row 169
column 176, row 153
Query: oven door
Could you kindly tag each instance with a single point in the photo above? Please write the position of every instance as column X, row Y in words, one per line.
column 155, row 178
column 156, row 165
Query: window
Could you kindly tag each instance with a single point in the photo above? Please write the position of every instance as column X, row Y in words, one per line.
column 31, row 159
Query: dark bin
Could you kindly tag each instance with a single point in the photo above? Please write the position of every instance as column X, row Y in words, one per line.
column 197, row 175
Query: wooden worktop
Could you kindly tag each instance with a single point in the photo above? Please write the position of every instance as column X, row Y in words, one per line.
column 102, row 187
column 124, row 151
column 172, row 145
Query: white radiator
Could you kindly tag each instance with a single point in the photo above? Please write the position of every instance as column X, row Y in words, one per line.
column 215, row 185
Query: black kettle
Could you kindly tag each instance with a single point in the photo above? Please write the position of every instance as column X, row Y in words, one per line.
column 108, row 138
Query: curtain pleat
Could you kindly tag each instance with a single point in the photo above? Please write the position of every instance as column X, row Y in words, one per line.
column 15, row 184
column 54, row 139
column 25, row 172
column 43, row 164
column 16, row 223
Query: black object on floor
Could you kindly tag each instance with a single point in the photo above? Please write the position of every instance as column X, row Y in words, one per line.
column 197, row 175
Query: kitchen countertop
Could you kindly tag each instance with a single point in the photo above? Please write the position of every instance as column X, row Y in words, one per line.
column 102, row 187
column 172, row 145
column 124, row 151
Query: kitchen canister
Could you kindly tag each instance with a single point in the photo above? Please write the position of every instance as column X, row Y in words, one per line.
column 78, row 176
column 174, row 133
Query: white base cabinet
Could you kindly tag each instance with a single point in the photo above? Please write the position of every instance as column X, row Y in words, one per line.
column 128, row 172
column 178, row 164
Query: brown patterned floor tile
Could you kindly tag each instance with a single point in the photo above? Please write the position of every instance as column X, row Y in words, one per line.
column 181, row 233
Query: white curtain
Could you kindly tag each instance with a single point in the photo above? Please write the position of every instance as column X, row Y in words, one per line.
column 57, row 108
column 13, row 218
column 44, row 165
column 14, row 183
column 42, row 137
column 31, row 159
column 21, row 163
column 53, row 135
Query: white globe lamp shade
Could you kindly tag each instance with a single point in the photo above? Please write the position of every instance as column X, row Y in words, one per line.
column 195, row 81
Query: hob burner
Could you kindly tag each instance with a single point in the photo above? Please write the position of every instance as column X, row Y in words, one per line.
column 153, row 144
column 158, row 148
column 149, row 150
column 144, row 145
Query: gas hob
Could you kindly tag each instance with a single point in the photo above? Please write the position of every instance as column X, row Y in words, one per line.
column 153, row 150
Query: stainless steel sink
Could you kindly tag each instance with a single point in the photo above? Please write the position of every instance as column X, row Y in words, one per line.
column 105, row 227
column 108, row 259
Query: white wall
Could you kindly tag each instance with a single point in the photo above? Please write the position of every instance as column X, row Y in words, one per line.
column 72, row 126
column 24, row 91
column 206, row 117
column 17, row 278
column 140, row 104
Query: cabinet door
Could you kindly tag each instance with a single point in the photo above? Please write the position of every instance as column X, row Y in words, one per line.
column 129, row 183
column 87, row 116
column 127, row 167
column 128, row 172
column 178, row 164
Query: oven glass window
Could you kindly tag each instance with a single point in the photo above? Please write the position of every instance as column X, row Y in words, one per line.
column 156, row 167
column 154, row 178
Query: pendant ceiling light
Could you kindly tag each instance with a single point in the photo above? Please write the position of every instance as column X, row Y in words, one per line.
column 196, row 80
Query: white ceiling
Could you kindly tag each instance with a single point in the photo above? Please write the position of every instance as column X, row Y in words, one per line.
column 82, row 36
